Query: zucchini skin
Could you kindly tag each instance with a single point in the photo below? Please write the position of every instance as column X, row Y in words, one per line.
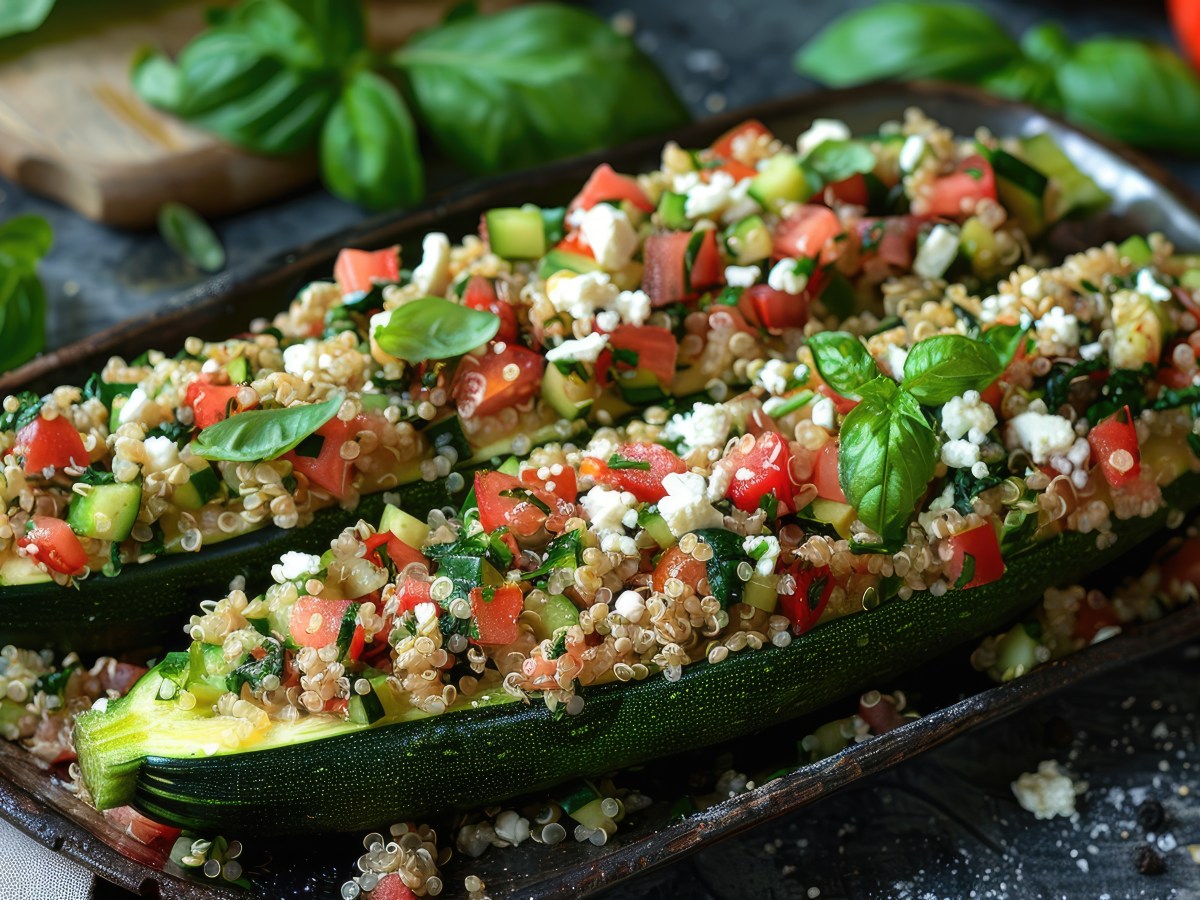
column 481, row 756
column 146, row 606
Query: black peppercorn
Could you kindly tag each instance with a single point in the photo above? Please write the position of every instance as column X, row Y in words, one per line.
column 1150, row 814
column 1148, row 861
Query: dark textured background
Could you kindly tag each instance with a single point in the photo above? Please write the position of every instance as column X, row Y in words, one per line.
column 945, row 825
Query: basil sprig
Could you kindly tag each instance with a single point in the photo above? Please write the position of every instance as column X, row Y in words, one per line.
column 1137, row 91
column 434, row 328
column 946, row 365
column 495, row 92
column 842, row 361
column 20, row 16
column 263, row 433
column 836, row 160
column 191, row 237
column 24, row 240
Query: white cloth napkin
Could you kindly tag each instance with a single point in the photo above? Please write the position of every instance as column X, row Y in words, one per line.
column 30, row 871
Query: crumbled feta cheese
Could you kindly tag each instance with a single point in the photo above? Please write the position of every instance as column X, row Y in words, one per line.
column 1059, row 326
column 741, row 204
column 960, row 454
column 606, row 508
column 580, row 296
column 432, row 275
column 301, row 358
column 425, row 612
column 937, row 253
column 604, row 443
column 705, row 200
column 610, row 234
column 1091, row 351
column 686, row 506
column 1048, row 792
column 787, row 276
column 967, row 413
column 824, row 414
column 608, row 320
column 718, row 483
column 819, row 132
column 294, row 565
column 633, row 306
column 706, row 426
column 944, row 500
column 161, row 454
column 587, row 349
column 742, row 276
column 1148, row 286
column 136, row 408
column 911, row 152
column 684, row 182
column 774, row 376
column 897, row 356
column 630, row 605
column 1042, row 435
column 765, row 550
column 980, row 469
column 1033, row 288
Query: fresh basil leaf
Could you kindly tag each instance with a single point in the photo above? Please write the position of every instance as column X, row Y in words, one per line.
column 910, row 40
column 531, row 84
column 22, row 316
column 887, row 456
column 26, row 239
column 1137, row 92
column 369, row 150
column 189, row 236
column 1024, row 80
column 842, row 361
column 1006, row 340
column 21, row 16
column 1047, row 43
column 263, row 433
column 838, row 160
column 433, row 328
column 946, row 365
column 307, row 34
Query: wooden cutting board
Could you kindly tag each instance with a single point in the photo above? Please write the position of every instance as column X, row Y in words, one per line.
column 72, row 128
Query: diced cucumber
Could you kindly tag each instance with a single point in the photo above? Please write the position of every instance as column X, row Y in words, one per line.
column 516, row 233
column 408, row 528
column 762, row 591
column 1190, row 279
column 656, row 527
column 239, row 370
column 1136, row 249
column 672, row 211
column 557, row 260
column 448, row 432
column 749, row 240
column 1022, row 190
column 1070, row 191
column 108, row 391
column 553, row 221
column 198, row 490
column 381, row 701
column 781, row 181
column 107, row 512
column 20, row 570
column 568, row 395
column 978, row 242
column 640, row 388
column 468, row 573
column 554, row 612
column 375, row 402
column 510, row 466
column 840, row 515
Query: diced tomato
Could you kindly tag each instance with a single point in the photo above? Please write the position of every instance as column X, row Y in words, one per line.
column 723, row 318
column 674, row 563
column 956, row 195
column 357, row 271
column 52, row 542
column 504, row 500
column 1182, row 565
column 825, row 473
column 1115, row 448
column 496, row 616
column 765, row 470
column 390, row 887
column 575, row 243
column 327, row 470
column 981, row 546
column 656, row 349
column 317, row 622
column 645, row 484
column 842, row 404
column 563, row 484
column 400, row 553
column 777, row 310
column 666, row 277
column 211, row 403
column 1090, row 619
column 357, row 642
column 882, row 716
column 482, row 386
column 731, row 167
column 120, row 676
column 411, row 594
column 604, row 184
column 892, row 240
column 50, row 443
column 808, row 232
column 707, row 269
column 750, row 130
column 852, row 190
column 141, row 828
column 1172, row 377
column 808, row 600
column 480, row 294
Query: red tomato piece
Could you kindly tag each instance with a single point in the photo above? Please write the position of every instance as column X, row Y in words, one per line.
column 390, row 887
column 842, row 404
column 981, row 546
column 808, row 232
column 327, row 470
column 50, row 444
column 1090, row 619
column 852, row 190
column 765, row 470
column 892, row 240
column 777, row 310
column 808, row 600
column 644, row 483
column 480, row 294
column 51, row 541
column 604, row 184
column 504, row 501
column 731, row 167
column 482, row 385
column 496, row 615
column 677, row 564
column 1115, row 448
column 574, row 243
column 825, row 473
column 411, row 594
column 750, row 130
column 400, row 553
column 656, row 348
column 956, row 195
column 317, row 622
column 211, row 403
column 707, row 269
column 1185, row 20
column 357, row 271
column 141, row 828
column 1182, row 565
column 563, row 484
column 665, row 278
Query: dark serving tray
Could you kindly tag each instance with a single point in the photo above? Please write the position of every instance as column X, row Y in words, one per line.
column 955, row 698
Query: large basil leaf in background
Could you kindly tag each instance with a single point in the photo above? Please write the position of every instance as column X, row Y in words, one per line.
column 369, row 149
column 20, row 16
column 310, row 34
column 532, row 84
column 911, row 40
column 24, row 240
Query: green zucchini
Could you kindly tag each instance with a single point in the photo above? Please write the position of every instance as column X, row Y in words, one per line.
column 313, row 776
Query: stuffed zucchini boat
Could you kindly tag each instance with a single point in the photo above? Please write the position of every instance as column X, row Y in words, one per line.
column 592, row 607
column 644, row 292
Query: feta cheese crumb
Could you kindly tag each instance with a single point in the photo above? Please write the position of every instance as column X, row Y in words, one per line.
column 944, row 500
column 1048, row 792
column 960, row 454
column 1091, row 351
column 819, row 132
column 137, row 408
column 705, row 200
column 633, row 306
column 718, row 483
column 1059, row 326
column 610, row 234
column 765, row 550
column 432, row 275
column 1042, row 435
column 581, row 295
column 294, row 565
column 161, row 454
column 631, row 606
column 608, row 319
column 774, row 376
column 686, row 507
column 961, row 415
column 741, row 204
column 742, row 276
column 587, row 349
column 937, row 253
column 1033, row 288
column 1148, row 286
column 606, row 508
column 705, row 427
column 300, row 358
column 787, row 276
column 897, row 356
column 911, row 152
column 824, row 414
